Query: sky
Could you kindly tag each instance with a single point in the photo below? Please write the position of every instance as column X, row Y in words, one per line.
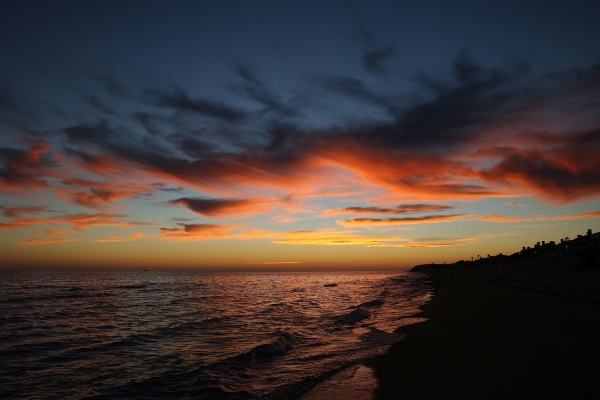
column 294, row 135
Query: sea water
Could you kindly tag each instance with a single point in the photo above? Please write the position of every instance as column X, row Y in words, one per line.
column 225, row 335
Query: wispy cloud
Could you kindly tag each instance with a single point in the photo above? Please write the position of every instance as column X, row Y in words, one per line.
column 96, row 194
column 46, row 241
column 373, row 60
column 503, row 219
column 592, row 214
column 138, row 235
column 428, row 219
column 111, row 239
column 179, row 100
column 400, row 209
column 77, row 221
column 516, row 203
column 56, row 232
column 17, row 212
column 199, row 232
column 425, row 243
column 332, row 237
column 484, row 132
column 118, row 238
column 273, row 262
column 26, row 169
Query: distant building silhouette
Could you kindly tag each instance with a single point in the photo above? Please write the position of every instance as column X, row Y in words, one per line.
column 585, row 246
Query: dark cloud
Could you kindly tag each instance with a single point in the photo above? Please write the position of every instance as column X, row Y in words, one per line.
column 163, row 188
column 466, row 70
column 100, row 134
column 248, row 75
column 115, row 88
column 25, row 168
column 256, row 90
column 404, row 220
column 373, row 60
column 16, row 111
column 420, row 150
column 286, row 139
column 17, row 212
column 100, row 105
column 208, row 207
column 148, row 122
column 365, row 34
column 93, row 194
column 400, row 209
column 481, row 132
column 194, row 147
column 456, row 112
column 355, row 88
column 179, row 100
column 566, row 173
column 194, row 228
column 198, row 232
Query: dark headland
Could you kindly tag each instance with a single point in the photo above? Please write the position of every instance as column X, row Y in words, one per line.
column 524, row 326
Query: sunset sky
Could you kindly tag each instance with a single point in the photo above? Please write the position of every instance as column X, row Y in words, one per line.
column 294, row 134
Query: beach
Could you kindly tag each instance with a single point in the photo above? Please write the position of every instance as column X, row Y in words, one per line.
column 527, row 330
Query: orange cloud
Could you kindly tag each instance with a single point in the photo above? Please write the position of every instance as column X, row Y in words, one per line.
column 331, row 237
column 117, row 238
column 320, row 237
column 26, row 168
column 561, row 173
column 97, row 193
column 199, row 232
column 218, row 172
column 433, row 243
column 111, row 239
column 428, row 176
column 138, row 235
column 273, row 262
column 501, row 166
column 56, row 232
column 45, row 241
column 463, row 142
column 503, row 219
column 334, row 238
column 591, row 214
column 77, row 221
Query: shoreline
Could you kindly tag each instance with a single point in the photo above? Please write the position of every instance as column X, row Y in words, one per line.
column 499, row 331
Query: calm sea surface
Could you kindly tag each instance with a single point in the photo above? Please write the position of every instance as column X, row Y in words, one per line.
column 193, row 335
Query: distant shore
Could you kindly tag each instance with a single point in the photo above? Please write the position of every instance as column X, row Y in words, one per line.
column 507, row 330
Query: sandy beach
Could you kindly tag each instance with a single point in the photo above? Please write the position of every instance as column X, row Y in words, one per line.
column 500, row 331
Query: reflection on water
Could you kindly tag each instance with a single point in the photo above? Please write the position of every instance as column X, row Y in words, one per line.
column 204, row 335
column 355, row 383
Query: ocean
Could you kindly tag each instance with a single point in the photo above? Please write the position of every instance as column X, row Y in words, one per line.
column 201, row 335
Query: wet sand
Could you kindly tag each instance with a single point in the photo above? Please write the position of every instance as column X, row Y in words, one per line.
column 497, row 332
column 354, row 383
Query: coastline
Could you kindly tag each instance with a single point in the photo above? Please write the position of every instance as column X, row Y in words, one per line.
column 527, row 330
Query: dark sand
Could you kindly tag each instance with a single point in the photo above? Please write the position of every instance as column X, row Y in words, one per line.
column 504, row 331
